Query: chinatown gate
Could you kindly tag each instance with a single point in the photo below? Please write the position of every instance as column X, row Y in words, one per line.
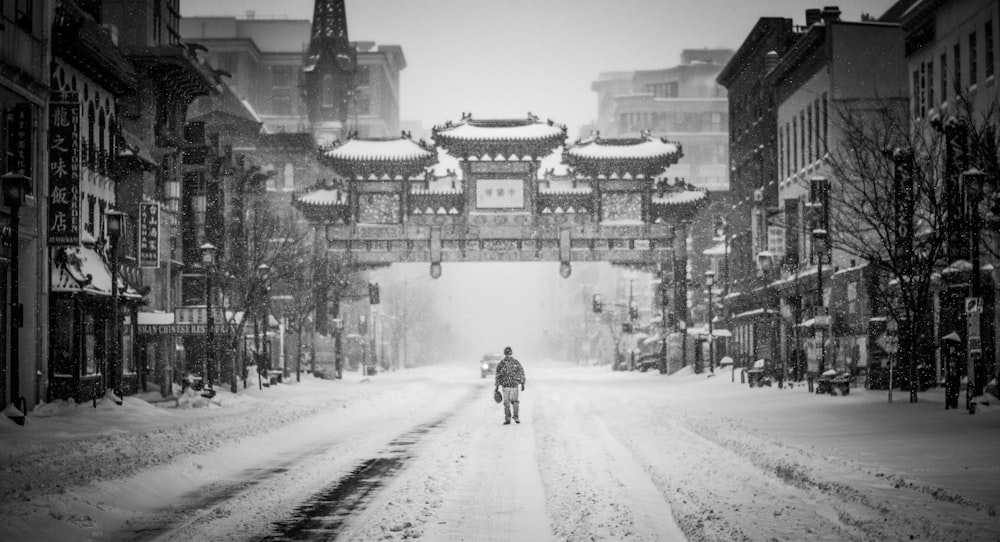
column 614, row 205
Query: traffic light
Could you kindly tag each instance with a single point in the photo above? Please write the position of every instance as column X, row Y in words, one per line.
column 633, row 311
column 719, row 227
column 373, row 293
column 598, row 303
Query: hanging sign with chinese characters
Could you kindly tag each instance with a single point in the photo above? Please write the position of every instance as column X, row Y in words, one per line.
column 19, row 146
column 499, row 194
column 64, row 169
column 149, row 235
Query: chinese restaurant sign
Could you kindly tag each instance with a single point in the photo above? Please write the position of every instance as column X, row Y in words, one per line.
column 64, row 169
column 149, row 235
column 19, row 146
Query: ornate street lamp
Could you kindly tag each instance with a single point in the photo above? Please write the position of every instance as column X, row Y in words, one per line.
column 115, row 225
column 264, row 362
column 972, row 181
column 710, row 283
column 208, row 251
column 15, row 188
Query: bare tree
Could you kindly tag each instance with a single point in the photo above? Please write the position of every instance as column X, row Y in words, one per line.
column 893, row 206
column 262, row 255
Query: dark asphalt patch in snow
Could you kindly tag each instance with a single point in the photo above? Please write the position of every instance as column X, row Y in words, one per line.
column 324, row 515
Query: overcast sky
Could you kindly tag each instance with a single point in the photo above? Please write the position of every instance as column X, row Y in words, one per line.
column 501, row 58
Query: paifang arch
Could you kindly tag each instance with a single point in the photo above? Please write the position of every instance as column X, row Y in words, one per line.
column 613, row 205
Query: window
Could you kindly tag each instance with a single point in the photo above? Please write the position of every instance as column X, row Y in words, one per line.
column 289, row 174
column 795, row 146
column 809, row 129
column 802, row 139
column 281, row 105
column 944, row 77
column 362, row 75
column 282, row 76
column 24, row 14
column 930, row 85
column 788, row 150
column 915, row 94
column 958, row 69
column 157, row 20
column 923, row 89
column 781, row 153
column 826, row 125
column 989, row 46
column 327, row 91
column 819, row 135
column 973, row 64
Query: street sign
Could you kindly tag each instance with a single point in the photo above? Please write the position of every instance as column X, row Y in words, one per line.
column 197, row 315
column 889, row 343
column 975, row 345
column 973, row 305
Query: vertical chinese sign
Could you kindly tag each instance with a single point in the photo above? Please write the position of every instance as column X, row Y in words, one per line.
column 149, row 235
column 19, row 146
column 64, row 169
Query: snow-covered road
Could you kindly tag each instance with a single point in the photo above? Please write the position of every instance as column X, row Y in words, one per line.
column 422, row 454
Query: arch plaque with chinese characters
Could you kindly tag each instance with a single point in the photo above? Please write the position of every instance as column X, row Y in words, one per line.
column 611, row 205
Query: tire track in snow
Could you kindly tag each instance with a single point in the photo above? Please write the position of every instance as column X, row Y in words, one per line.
column 596, row 489
column 477, row 481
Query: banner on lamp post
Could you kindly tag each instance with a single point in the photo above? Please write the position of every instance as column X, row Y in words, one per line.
column 19, row 139
column 149, row 235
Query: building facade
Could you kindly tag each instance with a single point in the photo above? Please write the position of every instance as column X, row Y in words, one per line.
column 951, row 64
column 25, row 56
column 267, row 60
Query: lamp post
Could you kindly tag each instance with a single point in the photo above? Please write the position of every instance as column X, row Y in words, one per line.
column 972, row 180
column 115, row 223
column 263, row 270
column 710, row 283
column 820, row 236
column 208, row 252
column 15, row 188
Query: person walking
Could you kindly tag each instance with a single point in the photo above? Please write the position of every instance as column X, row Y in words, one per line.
column 510, row 374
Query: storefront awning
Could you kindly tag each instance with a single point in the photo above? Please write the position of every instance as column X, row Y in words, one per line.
column 83, row 270
column 754, row 312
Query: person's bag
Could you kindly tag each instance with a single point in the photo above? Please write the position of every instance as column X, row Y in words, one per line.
column 496, row 396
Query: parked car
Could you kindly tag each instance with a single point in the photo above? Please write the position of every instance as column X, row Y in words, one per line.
column 488, row 366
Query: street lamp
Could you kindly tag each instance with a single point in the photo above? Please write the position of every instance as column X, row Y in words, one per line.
column 765, row 261
column 208, row 252
column 15, row 188
column 710, row 283
column 115, row 224
column 819, row 235
column 973, row 181
column 263, row 270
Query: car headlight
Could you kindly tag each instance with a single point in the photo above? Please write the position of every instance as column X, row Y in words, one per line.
column 486, row 366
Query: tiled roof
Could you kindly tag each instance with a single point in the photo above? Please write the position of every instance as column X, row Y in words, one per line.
column 679, row 198
column 384, row 150
column 623, row 149
column 323, row 196
column 529, row 129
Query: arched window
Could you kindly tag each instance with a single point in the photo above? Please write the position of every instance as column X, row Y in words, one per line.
column 327, row 91
column 102, row 146
column 289, row 180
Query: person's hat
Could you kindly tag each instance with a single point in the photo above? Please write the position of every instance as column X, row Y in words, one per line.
column 507, row 351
